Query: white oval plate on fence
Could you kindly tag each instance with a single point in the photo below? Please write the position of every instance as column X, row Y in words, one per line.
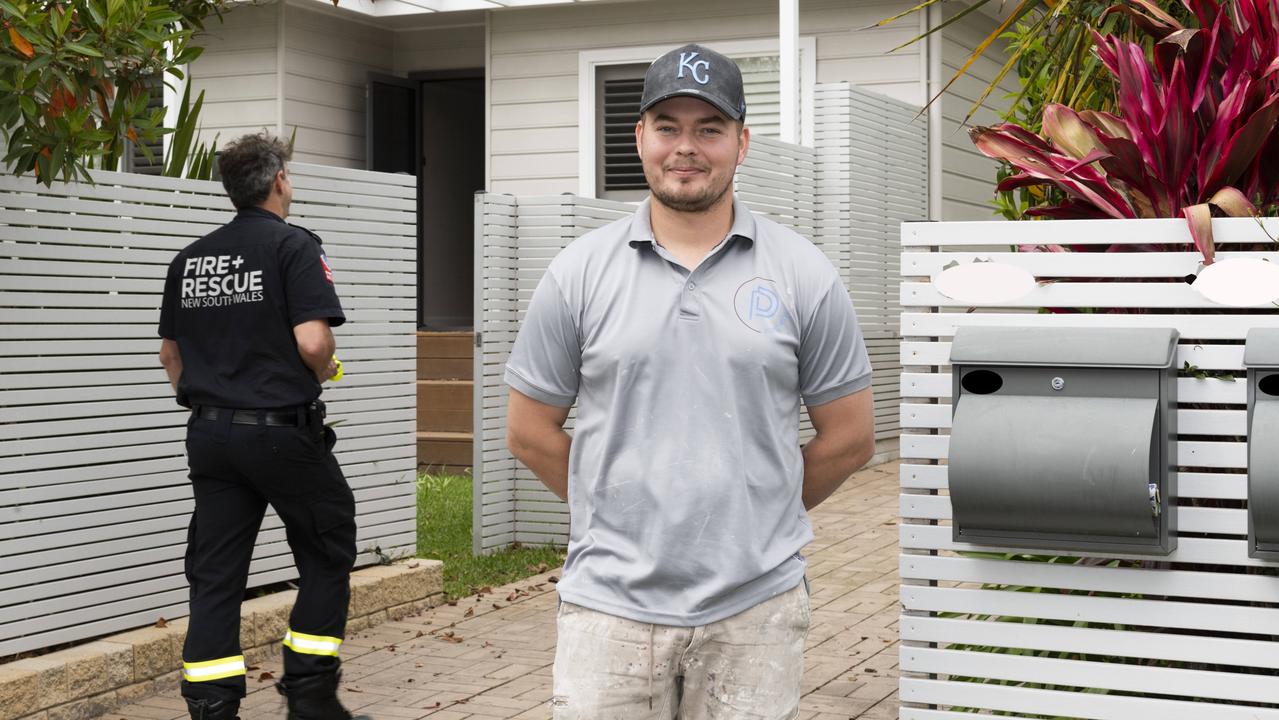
column 984, row 283
column 1239, row 282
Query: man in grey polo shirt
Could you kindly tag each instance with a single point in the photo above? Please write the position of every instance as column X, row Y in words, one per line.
column 688, row 334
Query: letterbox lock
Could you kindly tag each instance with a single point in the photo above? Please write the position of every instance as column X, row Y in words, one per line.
column 1059, row 383
column 1153, row 489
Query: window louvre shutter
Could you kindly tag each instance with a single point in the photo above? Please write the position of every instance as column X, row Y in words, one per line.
column 619, row 167
column 761, row 79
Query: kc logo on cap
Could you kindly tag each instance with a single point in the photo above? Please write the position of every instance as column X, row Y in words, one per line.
column 698, row 69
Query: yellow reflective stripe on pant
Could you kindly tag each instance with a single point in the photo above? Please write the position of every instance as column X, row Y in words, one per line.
column 213, row 669
column 312, row 644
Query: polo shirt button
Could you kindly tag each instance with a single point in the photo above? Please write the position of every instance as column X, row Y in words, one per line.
column 692, row 286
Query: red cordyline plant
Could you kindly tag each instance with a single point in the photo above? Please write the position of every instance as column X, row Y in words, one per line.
column 1195, row 130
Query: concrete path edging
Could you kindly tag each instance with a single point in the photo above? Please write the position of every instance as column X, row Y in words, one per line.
column 95, row 678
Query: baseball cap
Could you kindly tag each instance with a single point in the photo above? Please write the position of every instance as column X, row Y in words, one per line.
column 699, row 72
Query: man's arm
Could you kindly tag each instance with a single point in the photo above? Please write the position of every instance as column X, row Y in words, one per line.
column 845, row 441
column 316, row 346
column 535, row 435
column 171, row 359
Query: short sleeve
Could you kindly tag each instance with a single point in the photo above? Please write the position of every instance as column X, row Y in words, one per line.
column 168, row 325
column 547, row 357
column 832, row 352
column 308, row 282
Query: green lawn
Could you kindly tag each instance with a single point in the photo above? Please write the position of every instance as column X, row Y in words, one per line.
column 444, row 533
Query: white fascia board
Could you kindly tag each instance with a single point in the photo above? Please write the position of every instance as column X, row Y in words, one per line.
column 384, row 8
column 395, row 8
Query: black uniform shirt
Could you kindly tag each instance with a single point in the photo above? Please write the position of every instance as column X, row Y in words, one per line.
column 231, row 300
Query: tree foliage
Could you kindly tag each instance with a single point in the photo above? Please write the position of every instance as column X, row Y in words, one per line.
column 74, row 77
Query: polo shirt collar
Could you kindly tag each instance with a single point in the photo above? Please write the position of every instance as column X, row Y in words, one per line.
column 641, row 230
column 257, row 212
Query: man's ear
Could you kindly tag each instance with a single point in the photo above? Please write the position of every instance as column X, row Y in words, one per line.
column 639, row 132
column 744, row 145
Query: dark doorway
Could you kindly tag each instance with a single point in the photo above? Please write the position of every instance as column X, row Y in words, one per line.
column 437, row 120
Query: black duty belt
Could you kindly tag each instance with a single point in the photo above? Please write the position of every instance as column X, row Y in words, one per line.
column 274, row 418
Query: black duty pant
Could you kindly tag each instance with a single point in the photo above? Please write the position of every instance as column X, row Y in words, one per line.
column 236, row 470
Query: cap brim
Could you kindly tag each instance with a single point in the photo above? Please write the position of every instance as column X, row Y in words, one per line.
column 690, row 92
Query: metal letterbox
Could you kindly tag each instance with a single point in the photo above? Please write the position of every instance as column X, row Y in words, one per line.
column 1065, row 438
column 1261, row 358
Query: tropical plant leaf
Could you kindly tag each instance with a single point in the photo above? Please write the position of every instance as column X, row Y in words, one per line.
column 1233, row 203
column 1200, row 219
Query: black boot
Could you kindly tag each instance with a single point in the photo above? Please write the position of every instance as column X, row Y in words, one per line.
column 314, row 697
column 213, row 709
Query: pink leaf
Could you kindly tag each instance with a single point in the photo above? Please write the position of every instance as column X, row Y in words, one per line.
column 1233, row 203
column 1086, row 185
column 1179, row 132
column 1214, row 143
column 1200, row 219
column 1020, row 180
column 1068, row 131
column 1112, row 125
column 1243, row 147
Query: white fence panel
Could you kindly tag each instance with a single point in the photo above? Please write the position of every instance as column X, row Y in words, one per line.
column 518, row 238
column 872, row 175
column 1111, row 635
column 94, row 498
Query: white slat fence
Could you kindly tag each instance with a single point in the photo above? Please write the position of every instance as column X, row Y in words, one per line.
column 94, row 497
column 518, row 238
column 1114, row 637
column 872, row 175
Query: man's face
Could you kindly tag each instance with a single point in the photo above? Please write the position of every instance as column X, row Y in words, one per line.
column 690, row 152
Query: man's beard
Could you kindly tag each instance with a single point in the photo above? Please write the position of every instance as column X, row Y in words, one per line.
column 701, row 202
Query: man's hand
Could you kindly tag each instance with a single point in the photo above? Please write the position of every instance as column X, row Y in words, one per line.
column 330, row 370
column 535, row 435
column 845, row 441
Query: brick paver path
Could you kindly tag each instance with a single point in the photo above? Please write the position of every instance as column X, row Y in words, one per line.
column 489, row 658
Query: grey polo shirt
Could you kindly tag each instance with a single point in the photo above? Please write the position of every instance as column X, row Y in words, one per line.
column 685, row 470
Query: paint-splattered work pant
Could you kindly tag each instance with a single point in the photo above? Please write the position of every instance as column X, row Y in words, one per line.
column 746, row 667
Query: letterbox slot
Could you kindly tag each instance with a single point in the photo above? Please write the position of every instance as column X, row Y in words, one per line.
column 1269, row 385
column 982, row 382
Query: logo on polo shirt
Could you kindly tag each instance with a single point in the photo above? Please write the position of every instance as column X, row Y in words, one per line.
column 215, row 281
column 759, row 306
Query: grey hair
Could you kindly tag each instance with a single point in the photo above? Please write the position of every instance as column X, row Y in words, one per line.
column 248, row 166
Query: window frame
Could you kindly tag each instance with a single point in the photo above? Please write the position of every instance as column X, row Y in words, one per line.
column 587, row 108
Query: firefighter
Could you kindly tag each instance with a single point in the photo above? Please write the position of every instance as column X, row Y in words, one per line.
column 246, row 342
